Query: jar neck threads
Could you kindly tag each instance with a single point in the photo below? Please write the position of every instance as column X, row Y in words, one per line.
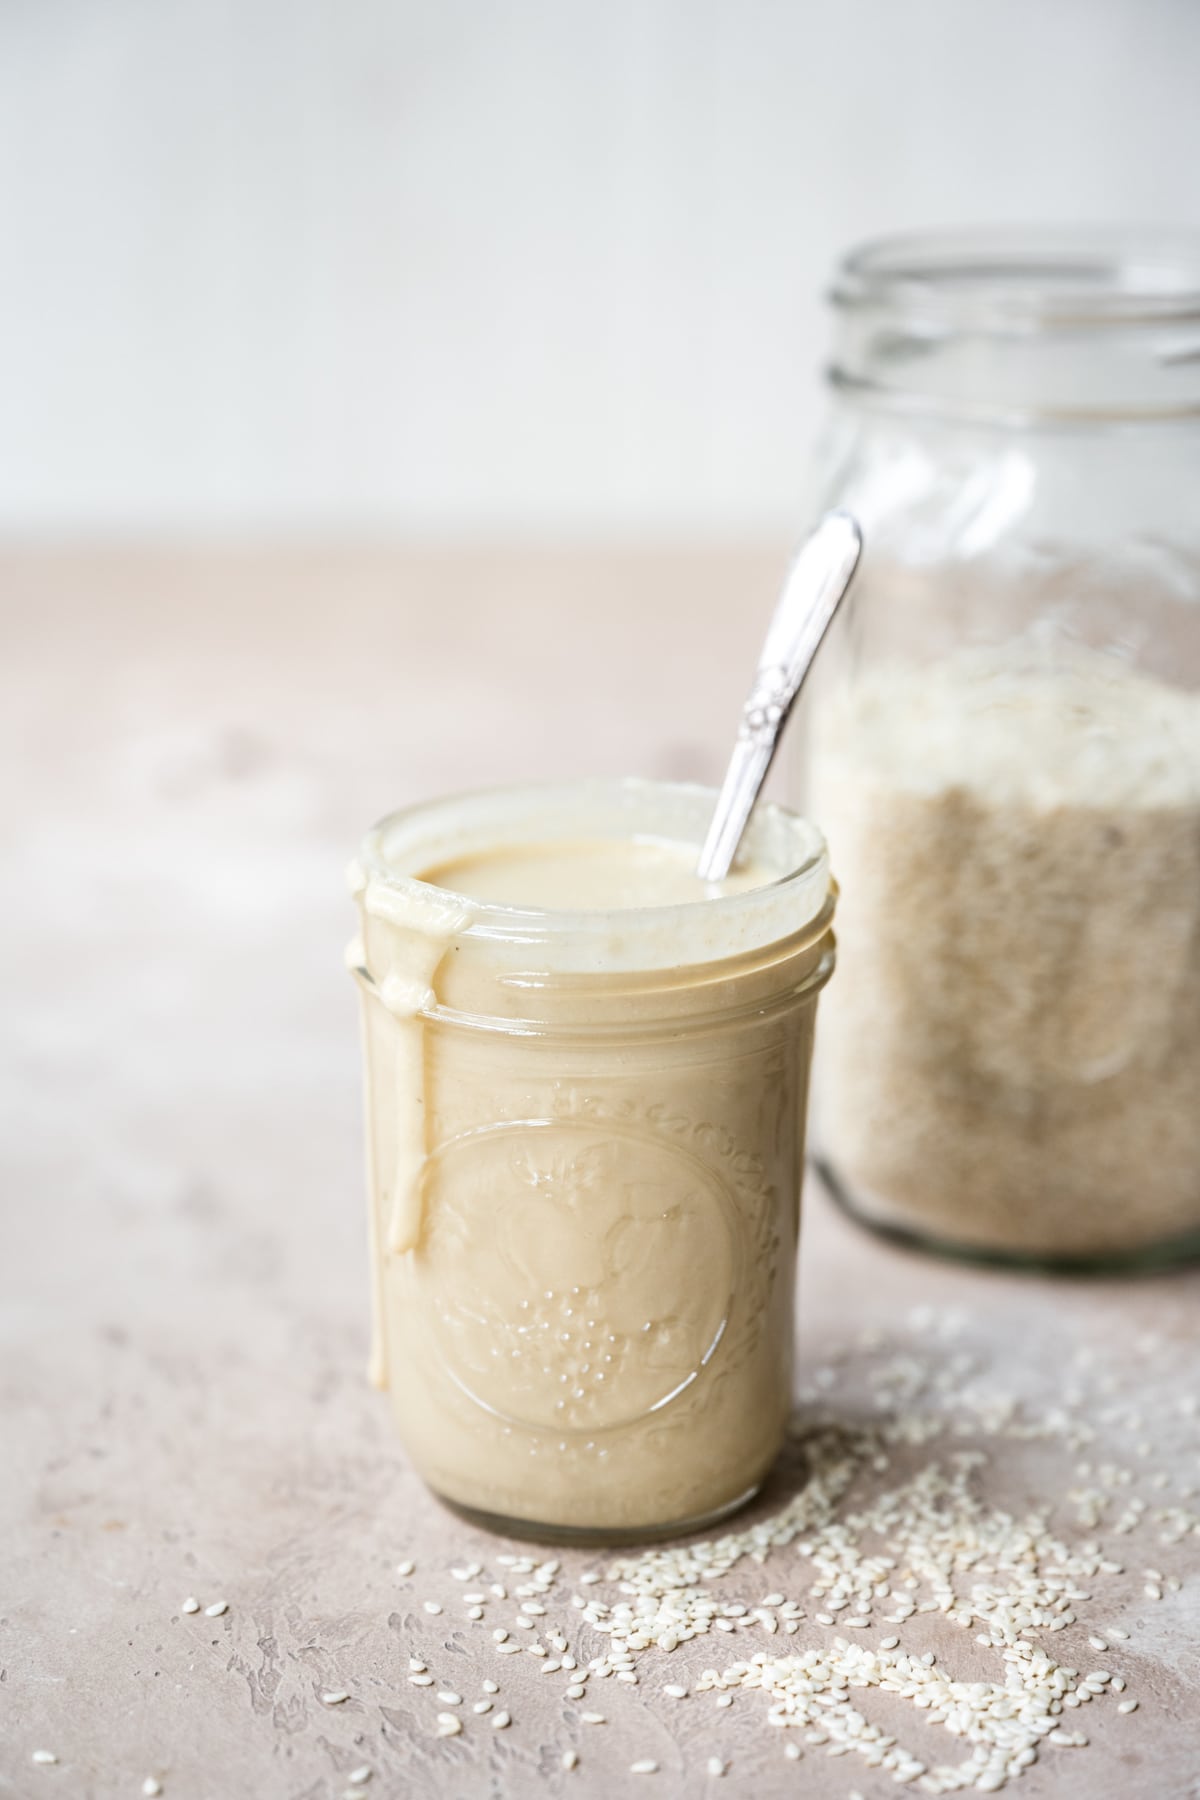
column 1082, row 327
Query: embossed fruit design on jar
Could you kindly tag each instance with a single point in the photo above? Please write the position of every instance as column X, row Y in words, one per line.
column 587, row 1074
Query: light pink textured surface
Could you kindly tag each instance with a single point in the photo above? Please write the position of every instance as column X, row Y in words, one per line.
column 192, row 744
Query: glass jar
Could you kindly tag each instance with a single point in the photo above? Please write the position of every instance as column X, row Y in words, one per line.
column 586, row 1140
column 1002, row 745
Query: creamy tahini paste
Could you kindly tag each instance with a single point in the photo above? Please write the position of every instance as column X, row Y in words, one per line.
column 584, row 1174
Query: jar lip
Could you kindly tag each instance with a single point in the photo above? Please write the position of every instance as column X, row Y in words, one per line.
column 421, row 831
column 1026, row 277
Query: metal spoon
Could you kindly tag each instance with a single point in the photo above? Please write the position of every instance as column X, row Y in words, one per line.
column 820, row 573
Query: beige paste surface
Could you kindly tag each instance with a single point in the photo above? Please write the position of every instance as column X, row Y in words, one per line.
column 590, row 874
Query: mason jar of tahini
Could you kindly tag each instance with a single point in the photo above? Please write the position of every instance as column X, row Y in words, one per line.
column 586, row 1076
column 1002, row 744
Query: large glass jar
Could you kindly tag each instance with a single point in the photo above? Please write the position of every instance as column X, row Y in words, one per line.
column 586, row 1145
column 1002, row 746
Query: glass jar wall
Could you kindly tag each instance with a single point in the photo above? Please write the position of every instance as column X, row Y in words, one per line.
column 586, row 1145
column 1003, row 748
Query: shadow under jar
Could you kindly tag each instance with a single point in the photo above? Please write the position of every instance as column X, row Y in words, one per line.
column 586, row 1143
column 1003, row 748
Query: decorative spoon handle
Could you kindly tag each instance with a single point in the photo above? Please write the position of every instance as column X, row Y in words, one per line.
column 820, row 573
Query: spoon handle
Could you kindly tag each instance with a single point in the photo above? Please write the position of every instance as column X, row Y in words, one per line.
column 818, row 578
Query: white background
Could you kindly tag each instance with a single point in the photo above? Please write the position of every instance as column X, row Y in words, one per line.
column 472, row 266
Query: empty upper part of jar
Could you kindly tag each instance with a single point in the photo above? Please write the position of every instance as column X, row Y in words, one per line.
column 1024, row 325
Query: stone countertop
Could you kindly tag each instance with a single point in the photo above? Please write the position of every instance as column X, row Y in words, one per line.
column 194, row 741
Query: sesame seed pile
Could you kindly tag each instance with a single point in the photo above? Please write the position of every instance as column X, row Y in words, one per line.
column 896, row 1607
column 886, row 1535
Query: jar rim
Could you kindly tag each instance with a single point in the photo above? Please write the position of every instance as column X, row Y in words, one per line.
column 796, row 898
column 1026, row 277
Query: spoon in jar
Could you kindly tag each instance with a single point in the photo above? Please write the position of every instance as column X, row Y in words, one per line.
column 813, row 589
